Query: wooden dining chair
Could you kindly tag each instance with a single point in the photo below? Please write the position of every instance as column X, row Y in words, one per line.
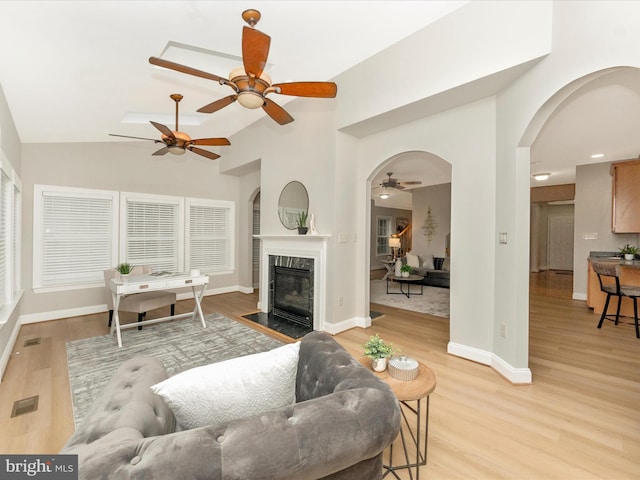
column 612, row 270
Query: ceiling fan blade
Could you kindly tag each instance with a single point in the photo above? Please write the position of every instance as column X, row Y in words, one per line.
column 137, row 138
column 308, row 89
column 255, row 50
column 218, row 104
column 411, row 182
column 160, row 62
column 164, row 129
column 276, row 112
column 162, row 151
column 211, row 141
column 204, row 153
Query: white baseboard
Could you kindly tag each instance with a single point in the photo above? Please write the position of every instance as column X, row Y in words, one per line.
column 470, row 353
column 579, row 296
column 517, row 376
column 58, row 314
column 6, row 355
column 335, row 328
column 93, row 309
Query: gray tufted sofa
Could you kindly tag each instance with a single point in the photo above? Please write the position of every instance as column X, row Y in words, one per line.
column 343, row 419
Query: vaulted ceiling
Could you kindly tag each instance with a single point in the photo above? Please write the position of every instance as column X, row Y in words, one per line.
column 72, row 71
column 75, row 71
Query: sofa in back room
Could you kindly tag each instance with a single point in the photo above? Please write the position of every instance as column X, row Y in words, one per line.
column 434, row 269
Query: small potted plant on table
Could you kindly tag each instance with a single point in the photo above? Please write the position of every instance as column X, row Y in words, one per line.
column 378, row 351
column 629, row 251
column 405, row 270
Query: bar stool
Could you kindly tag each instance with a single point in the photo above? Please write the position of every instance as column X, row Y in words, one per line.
column 612, row 270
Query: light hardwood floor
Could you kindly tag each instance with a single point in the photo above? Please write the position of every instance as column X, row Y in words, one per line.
column 580, row 419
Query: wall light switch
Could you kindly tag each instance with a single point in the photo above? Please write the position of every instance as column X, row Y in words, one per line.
column 502, row 238
column 589, row 236
column 343, row 237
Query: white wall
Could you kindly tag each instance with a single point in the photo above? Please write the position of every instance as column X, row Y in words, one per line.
column 465, row 138
column 438, row 197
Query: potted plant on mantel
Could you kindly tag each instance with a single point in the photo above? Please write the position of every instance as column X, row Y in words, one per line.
column 302, row 222
column 629, row 251
column 378, row 351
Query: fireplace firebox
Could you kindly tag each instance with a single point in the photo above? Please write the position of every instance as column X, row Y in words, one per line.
column 293, row 295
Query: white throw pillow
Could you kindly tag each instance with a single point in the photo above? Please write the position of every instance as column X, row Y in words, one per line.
column 413, row 260
column 428, row 262
column 235, row 388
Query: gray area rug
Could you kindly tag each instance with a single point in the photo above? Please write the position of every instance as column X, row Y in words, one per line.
column 434, row 300
column 179, row 344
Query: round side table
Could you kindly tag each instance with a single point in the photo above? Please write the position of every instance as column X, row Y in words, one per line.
column 411, row 394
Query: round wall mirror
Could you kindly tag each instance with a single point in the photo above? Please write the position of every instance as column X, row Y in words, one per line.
column 293, row 200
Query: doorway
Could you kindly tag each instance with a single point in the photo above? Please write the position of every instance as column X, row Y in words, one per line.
column 560, row 243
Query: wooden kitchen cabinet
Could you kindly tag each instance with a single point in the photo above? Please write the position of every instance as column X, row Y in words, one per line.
column 625, row 217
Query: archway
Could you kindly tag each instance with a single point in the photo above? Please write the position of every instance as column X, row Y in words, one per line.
column 594, row 114
column 426, row 174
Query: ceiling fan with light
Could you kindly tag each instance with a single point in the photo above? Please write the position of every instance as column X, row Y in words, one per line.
column 250, row 83
column 178, row 142
column 395, row 183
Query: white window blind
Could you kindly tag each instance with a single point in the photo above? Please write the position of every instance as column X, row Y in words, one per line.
column 75, row 232
column 5, row 238
column 210, row 235
column 17, row 229
column 153, row 232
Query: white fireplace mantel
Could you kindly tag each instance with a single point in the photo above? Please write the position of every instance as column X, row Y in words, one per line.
column 305, row 246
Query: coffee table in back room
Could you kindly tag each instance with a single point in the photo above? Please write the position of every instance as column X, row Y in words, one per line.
column 408, row 281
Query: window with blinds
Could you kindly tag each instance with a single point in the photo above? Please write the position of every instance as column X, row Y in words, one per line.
column 17, row 237
column 5, row 238
column 75, row 236
column 209, row 242
column 79, row 233
column 383, row 232
column 153, row 231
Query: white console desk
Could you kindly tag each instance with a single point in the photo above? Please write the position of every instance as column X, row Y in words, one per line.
column 150, row 283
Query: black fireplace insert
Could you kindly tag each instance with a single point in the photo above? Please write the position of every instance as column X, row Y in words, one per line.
column 292, row 297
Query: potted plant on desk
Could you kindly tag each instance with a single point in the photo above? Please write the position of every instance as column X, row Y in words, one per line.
column 378, row 351
column 124, row 269
column 629, row 251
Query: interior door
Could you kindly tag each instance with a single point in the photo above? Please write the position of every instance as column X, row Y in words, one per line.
column 560, row 244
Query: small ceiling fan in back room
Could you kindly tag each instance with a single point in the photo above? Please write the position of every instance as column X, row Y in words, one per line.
column 395, row 183
column 250, row 83
column 178, row 142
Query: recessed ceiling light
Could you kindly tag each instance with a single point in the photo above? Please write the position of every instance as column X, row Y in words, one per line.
column 597, row 155
column 541, row 176
column 384, row 196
